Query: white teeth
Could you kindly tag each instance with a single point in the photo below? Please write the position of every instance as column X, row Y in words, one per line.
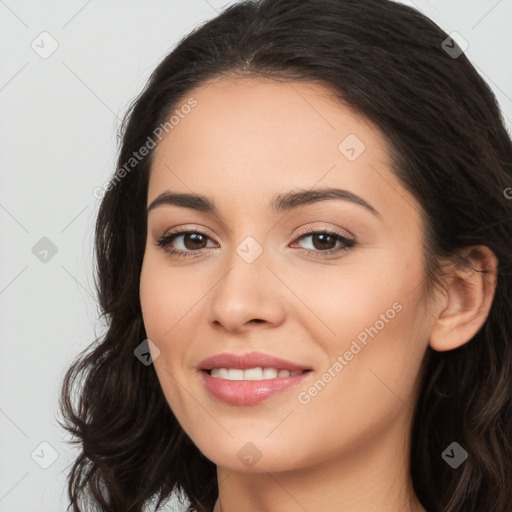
column 269, row 373
column 251, row 373
column 219, row 372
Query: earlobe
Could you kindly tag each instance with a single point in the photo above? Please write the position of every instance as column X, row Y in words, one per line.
column 467, row 300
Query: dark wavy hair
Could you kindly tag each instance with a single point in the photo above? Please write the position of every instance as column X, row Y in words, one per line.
column 450, row 149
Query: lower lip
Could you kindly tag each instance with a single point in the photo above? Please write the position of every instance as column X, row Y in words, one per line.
column 248, row 392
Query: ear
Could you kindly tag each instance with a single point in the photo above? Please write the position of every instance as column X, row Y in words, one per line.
column 467, row 299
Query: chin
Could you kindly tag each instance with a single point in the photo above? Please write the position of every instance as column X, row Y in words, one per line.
column 252, row 457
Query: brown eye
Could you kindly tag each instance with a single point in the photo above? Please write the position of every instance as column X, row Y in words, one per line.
column 194, row 241
column 323, row 242
column 191, row 242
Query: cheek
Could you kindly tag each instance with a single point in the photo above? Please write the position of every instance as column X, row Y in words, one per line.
column 167, row 296
column 343, row 301
column 157, row 302
column 373, row 316
column 165, row 302
column 370, row 377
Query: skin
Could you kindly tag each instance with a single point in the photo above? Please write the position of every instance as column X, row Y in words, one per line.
column 346, row 449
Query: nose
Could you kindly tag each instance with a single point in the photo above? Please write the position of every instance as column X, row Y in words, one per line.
column 247, row 294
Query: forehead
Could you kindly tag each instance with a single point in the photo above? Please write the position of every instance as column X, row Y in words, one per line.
column 250, row 138
column 285, row 119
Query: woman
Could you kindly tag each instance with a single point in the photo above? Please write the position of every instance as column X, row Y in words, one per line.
column 304, row 260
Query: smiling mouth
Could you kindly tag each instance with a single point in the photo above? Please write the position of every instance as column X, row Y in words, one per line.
column 250, row 386
column 252, row 374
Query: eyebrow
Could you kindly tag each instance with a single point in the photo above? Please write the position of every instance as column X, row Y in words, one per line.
column 283, row 202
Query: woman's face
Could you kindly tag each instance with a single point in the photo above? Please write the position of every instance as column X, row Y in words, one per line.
column 353, row 313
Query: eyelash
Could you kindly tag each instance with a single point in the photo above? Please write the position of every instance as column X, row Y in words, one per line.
column 348, row 243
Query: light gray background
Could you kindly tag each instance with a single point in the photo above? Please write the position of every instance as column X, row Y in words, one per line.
column 58, row 123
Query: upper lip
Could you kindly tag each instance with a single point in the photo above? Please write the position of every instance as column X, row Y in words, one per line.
column 250, row 360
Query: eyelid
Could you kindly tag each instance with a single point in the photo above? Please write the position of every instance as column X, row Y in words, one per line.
column 188, row 228
column 312, row 227
column 306, row 230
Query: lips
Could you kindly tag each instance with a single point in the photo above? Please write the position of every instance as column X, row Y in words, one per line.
column 250, row 360
column 249, row 392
